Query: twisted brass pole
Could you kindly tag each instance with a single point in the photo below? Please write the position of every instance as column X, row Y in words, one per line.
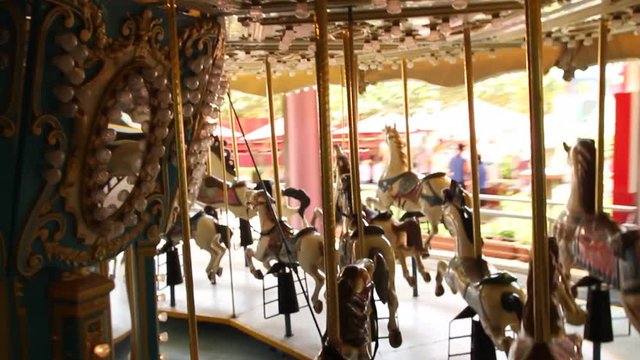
column 182, row 177
column 274, row 139
column 322, row 74
column 536, row 112
column 473, row 146
column 602, row 92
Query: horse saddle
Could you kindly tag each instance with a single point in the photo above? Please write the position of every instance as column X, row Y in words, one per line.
column 408, row 185
column 368, row 230
column 373, row 215
column 411, row 215
column 211, row 191
column 501, row 278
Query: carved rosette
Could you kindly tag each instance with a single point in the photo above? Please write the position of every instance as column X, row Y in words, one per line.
column 114, row 93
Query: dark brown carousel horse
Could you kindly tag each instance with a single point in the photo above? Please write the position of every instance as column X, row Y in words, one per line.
column 594, row 240
column 561, row 346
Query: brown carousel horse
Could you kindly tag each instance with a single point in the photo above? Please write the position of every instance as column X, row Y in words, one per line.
column 305, row 246
column 561, row 346
column 595, row 241
column 494, row 296
column 406, row 189
column 356, row 306
column 405, row 235
column 375, row 242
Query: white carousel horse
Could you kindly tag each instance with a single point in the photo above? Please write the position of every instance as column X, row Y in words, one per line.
column 561, row 346
column 495, row 297
column 375, row 242
column 209, row 236
column 405, row 236
column 594, row 240
column 306, row 246
column 406, row 189
column 228, row 166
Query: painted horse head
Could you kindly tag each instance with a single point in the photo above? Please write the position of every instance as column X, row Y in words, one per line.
column 582, row 159
column 457, row 217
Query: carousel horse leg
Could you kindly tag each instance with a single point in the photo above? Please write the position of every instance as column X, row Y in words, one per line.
column 441, row 272
column 421, row 269
column 311, row 259
column 219, row 251
column 402, row 257
column 395, row 336
column 249, row 254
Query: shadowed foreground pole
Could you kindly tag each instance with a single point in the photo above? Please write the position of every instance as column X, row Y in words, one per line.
column 540, row 241
column 322, row 73
column 473, row 147
column 602, row 92
column 182, row 177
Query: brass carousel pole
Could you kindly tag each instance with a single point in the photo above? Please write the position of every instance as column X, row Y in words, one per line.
column 540, row 242
column 182, row 177
column 405, row 95
column 331, row 268
column 225, row 194
column 473, row 147
column 343, row 119
column 602, row 92
column 274, row 139
column 351, row 70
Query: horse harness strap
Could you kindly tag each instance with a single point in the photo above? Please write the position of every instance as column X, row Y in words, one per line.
column 433, row 200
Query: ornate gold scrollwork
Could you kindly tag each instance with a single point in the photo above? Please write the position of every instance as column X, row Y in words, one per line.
column 104, row 80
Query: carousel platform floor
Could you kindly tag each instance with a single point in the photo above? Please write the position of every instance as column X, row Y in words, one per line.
column 424, row 320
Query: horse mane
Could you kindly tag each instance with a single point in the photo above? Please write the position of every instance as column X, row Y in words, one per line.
column 454, row 195
column 397, row 141
column 228, row 162
column 583, row 157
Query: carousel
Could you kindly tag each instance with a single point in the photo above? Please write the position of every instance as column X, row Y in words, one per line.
column 123, row 205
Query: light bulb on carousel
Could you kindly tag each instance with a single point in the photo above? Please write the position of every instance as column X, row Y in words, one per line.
column 459, row 4
column 379, row 3
column 302, row 9
column 394, row 7
column 102, row 350
column 256, row 11
column 396, row 31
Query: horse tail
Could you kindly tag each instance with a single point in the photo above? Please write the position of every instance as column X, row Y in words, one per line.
column 246, row 238
column 511, row 302
column 380, row 274
column 299, row 195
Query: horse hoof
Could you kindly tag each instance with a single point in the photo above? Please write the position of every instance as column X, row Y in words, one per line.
column 257, row 274
column 439, row 290
column 219, row 272
column 317, row 307
column 426, row 277
column 395, row 338
column 412, row 281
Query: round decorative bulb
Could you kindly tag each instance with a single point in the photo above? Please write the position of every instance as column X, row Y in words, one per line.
column 64, row 63
column 140, row 204
column 192, row 82
column 135, row 81
column 125, row 98
column 52, row 175
column 164, row 336
column 67, row 41
column 64, row 93
column 123, row 195
column 459, row 4
column 163, row 316
column 187, row 110
column 302, row 9
column 69, row 109
column 103, row 155
column 102, row 351
column 164, row 357
column 108, row 135
column 150, row 74
column 164, row 115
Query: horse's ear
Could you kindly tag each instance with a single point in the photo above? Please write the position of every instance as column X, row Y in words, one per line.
column 567, row 148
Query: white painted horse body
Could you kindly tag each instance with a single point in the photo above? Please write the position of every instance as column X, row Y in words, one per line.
column 307, row 246
column 208, row 235
column 227, row 166
column 405, row 189
column 495, row 297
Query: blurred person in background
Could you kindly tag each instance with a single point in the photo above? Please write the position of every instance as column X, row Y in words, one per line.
column 459, row 167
